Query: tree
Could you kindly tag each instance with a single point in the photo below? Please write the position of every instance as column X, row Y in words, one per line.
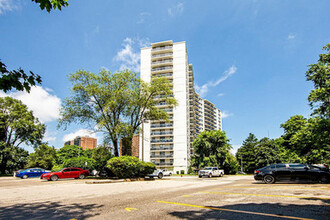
column 319, row 74
column 267, row 152
column 212, row 148
column 17, row 126
column 17, row 79
column 51, row 4
column 101, row 155
column 246, row 153
column 82, row 162
column 68, row 152
column 113, row 103
column 44, row 156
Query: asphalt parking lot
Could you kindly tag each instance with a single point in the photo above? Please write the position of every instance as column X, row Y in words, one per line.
column 229, row 197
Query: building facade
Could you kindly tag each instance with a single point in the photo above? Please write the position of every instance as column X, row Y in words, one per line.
column 168, row 144
column 84, row 142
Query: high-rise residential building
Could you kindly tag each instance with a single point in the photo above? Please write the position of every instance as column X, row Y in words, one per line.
column 168, row 144
column 84, row 142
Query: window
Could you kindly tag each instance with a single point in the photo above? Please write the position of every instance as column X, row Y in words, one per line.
column 279, row 166
column 297, row 166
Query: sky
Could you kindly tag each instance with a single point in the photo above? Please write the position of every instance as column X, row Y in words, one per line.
column 249, row 56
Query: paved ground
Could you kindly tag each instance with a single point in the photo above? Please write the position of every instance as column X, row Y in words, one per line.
column 229, row 197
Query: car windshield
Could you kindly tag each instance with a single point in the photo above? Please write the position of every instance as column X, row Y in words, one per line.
column 207, row 168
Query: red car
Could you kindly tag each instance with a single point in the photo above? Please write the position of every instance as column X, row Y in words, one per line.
column 71, row 172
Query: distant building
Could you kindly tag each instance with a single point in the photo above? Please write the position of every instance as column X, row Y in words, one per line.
column 131, row 151
column 84, row 142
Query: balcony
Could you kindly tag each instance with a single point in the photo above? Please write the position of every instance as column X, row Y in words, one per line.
column 169, row 148
column 161, row 156
column 163, row 75
column 161, row 62
column 162, row 55
column 162, row 69
column 169, row 140
column 162, row 48
column 163, row 164
column 161, row 133
column 161, row 125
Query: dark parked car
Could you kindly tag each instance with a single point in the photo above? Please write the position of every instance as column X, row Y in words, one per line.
column 71, row 172
column 30, row 172
column 292, row 171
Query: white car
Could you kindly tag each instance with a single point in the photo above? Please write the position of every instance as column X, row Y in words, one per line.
column 210, row 172
column 167, row 172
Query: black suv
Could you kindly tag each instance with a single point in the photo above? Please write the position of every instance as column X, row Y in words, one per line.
column 292, row 171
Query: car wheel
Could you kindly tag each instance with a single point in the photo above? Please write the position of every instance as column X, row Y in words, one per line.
column 54, row 178
column 210, row 175
column 269, row 179
column 323, row 179
column 170, row 174
column 221, row 174
column 81, row 176
column 160, row 175
column 200, row 176
column 25, row 177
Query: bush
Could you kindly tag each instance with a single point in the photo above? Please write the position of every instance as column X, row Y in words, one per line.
column 182, row 172
column 57, row 167
column 80, row 162
column 190, row 171
column 177, row 172
column 129, row 167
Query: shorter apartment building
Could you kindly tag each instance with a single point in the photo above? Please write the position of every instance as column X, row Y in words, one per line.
column 84, row 142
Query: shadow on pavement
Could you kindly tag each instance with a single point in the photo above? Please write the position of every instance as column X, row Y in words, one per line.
column 48, row 210
column 282, row 211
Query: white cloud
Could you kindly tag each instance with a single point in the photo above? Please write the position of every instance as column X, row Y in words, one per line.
column 291, row 36
column 45, row 106
column 220, row 94
column 81, row 132
column 143, row 16
column 226, row 114
column 7, row 5
column 234, row 149
column 176, row 10
column 202, row 90
column 129, row 56
column 50, row 136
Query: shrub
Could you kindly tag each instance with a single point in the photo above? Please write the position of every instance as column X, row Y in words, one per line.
column 129, row 167
column 182, row 172
column 57, row 167
column 177, row 172
column 80, row 162
column 190, row 171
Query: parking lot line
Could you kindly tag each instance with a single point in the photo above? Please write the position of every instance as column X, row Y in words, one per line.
column 233, row 210
column 272, row 187
column 249, row 194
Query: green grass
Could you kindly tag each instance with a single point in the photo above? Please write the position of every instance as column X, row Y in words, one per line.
column 4, row 175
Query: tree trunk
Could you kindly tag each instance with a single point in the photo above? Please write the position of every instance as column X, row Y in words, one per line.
column 126, row 146
column 115, row 147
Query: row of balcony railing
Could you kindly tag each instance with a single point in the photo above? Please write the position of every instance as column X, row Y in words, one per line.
column 161, row 148
column 161, row 68
column 162, row 125
column 163, row 164
column 163, row 75
column 161, row 140
column 162, row 48
column 161, row 156
column 162, row 61
column 162, row 55
column 161, row 132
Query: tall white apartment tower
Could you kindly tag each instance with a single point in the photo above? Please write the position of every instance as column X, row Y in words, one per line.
column 168, row 144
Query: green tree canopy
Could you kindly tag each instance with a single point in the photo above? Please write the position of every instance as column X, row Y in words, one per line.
column 43, row 157
column 212, row 148
column 17, row 126
column 319, row 74
column 67, row 152
column 246, row 153
column 51, row 4
column 113, row 103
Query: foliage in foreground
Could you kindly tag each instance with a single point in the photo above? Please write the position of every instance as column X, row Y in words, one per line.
column 130, row 167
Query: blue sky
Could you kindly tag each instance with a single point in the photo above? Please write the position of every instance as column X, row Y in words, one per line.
column 249, row 57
